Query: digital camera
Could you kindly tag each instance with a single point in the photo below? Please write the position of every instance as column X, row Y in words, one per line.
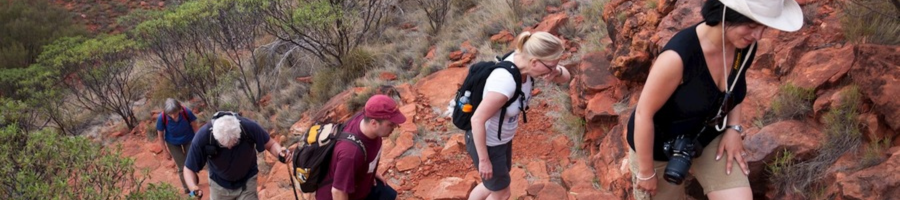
column 680, row 151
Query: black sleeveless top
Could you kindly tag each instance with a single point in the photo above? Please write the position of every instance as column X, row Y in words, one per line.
column 697, row 99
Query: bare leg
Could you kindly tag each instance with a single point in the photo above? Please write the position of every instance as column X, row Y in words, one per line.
column 479, row 193
column 738, row 193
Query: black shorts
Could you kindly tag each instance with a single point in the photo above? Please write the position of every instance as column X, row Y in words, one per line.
column 501, row 160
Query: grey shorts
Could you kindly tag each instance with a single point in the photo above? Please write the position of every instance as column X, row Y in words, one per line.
column 501, row 160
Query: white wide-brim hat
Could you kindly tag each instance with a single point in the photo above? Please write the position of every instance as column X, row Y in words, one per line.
column 783, row 15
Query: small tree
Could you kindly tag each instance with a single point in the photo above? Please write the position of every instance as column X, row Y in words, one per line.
column 104, row 72
column 328, row 29
column 187, row 56
column 436, row 11
column 203, row 45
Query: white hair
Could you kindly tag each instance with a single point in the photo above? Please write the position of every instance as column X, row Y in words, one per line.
column 172, row 106
column 227, row 130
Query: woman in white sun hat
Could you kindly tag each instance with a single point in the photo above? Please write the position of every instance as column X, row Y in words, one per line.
column 693, row 97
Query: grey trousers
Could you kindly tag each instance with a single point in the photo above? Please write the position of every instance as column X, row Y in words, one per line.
column 248, row 192
column 179, row 153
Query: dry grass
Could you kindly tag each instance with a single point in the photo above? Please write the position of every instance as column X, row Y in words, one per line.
column 651, row 4
column 357, row 101
column 331, row 81
column 842, row 134
column 793, row 102
column 874, row 153
column 570, row 125
column 871, row 21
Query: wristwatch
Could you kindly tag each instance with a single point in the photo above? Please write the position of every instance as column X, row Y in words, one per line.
column 739, row 129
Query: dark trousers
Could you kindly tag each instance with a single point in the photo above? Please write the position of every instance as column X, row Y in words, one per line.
column 382, row 191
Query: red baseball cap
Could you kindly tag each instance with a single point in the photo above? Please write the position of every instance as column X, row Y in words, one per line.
column 383, row 107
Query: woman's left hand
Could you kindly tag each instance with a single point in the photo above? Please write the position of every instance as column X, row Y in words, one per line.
column 732, row 145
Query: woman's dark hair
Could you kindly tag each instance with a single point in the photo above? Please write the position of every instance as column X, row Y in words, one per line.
column 712, row 14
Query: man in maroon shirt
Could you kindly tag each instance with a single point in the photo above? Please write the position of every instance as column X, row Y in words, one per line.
column 352, row 171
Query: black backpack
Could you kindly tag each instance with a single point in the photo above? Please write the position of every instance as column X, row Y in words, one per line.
column 475, row 82
column 312, row 157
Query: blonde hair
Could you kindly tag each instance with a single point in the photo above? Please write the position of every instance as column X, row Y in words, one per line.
column 540, row 45
column 227, row 130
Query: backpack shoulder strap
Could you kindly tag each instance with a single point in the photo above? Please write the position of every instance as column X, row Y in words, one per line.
column 164, row 118
column 184, row 113
column 352, row 138
column 517, row 77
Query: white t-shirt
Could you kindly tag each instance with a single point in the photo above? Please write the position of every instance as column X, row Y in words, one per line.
column 501, row 81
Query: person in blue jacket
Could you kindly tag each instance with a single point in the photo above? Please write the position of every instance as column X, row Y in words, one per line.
column 175, row 129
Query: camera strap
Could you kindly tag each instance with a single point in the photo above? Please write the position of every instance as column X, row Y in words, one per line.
column 728, row 89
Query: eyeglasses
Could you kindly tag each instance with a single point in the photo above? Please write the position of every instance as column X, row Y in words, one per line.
column 546, row 65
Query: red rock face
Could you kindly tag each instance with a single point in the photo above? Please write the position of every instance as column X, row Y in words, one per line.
column 439, row 87
column 877, row 73
column 879, row 182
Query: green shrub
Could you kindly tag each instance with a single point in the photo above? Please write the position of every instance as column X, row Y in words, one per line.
column 871, row 21
column 780, row 167
column 43, row 164
column 792, row 102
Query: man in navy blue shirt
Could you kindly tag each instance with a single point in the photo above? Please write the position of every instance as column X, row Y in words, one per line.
column 229, row 145
column 176, row 126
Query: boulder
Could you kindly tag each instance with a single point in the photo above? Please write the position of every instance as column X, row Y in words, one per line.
column 577, row 174
column 439, row 87
column 552, row 22
column 450, row 188
column 878, row 182
column 551, row 191
column 610, row 162
column 787, row 54
column 822, row 66
column 763, row 147
column 455, row 145
column 403, row 143
column 878, row 79
column 684, row 14
column 518, row 183
column 503, row 37
column 595, row 73
column 600, row 108
column 407, row 163
column 156, row 148
column 538, row 170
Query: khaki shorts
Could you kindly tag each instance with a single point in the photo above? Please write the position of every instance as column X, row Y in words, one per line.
column 709, row 172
